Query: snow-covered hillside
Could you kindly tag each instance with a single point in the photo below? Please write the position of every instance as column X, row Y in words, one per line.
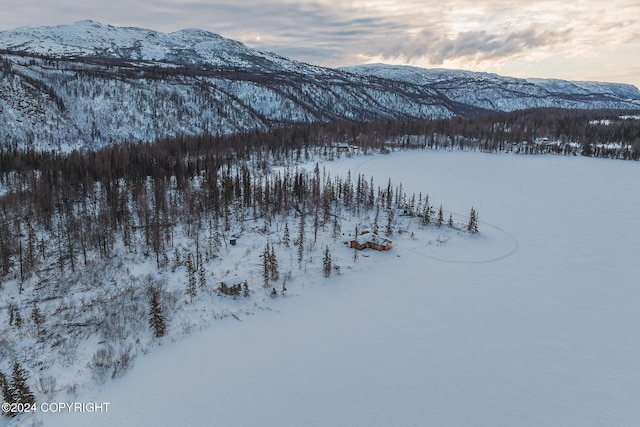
column 533, row 323
column 92, row 39
column 494, row 92
column 89, row 85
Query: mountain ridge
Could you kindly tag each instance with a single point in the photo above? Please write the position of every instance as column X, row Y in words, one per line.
column 87, row 84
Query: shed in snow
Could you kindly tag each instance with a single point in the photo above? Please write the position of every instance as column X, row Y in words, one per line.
column 342, row 147
column 231, row 285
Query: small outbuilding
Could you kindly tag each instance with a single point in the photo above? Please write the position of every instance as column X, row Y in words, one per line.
column 231, row 285
column 371, row 241
column 342, row 147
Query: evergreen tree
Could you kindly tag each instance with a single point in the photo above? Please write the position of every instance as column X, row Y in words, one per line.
column 427, row 211
column 266, row 266
column 202, row 276
column 17, row 318
column 450, row 223
column 412, row 205
column 12, row 313
column 389, row 194
column 472, row 227
column 376, row 219
column 245, row 287
column 301, row 240
column 38, row 319
column 316, row 225
column 217, row 237
column 177, row 262
column 389, row 230
column 19, row 387
column 326, row 262
column 286, row 238
column 192, row 290
column 372, row 197
column 156, row 318
column 440, row 220
column 336, row 228
column 7, row 393
column 273, row 265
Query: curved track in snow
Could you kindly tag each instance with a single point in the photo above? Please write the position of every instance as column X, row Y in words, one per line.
column 515, row 246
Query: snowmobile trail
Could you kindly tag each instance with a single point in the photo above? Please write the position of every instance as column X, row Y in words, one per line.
column 513, row 247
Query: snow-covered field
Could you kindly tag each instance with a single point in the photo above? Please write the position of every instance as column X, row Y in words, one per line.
column 535, row 322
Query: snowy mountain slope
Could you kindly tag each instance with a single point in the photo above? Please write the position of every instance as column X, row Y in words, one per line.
column 89, row 85
column 494, row 92
column 625, row 91
column 110, row 85
column 92, row 39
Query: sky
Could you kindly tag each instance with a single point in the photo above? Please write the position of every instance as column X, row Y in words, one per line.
column 577, row 40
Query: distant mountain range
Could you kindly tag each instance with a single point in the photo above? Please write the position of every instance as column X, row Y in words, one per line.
column 87, row 84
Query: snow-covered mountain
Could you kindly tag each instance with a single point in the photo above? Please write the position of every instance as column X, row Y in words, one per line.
column 494, row 92
column 89, row 84
column 184, row 47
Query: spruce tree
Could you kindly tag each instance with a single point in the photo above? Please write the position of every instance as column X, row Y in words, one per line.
column 426, row 213
column 192, row 290
column 7, row 393
column 326, row 263
column 273, row 267
column 336, row 228
column 286, row 238
column 266, row 266
column 156, row 318
column 177, row 262
column 202, row 277
column 389, row 230
column 450, row 223
column 316, row 225
column 376, row 220
column 389, row 194
column 440, row 220
column 38, row 319
column 301, row 241
column 472, row 227
column 17, row 318
column 19, row 387
column 245, row 287
column 217, row 238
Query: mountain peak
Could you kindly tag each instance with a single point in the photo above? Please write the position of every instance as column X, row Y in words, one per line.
column 88, row 22
column 91, row 38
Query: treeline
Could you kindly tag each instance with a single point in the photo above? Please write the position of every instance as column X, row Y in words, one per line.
column 599, row 133
column 595, row 132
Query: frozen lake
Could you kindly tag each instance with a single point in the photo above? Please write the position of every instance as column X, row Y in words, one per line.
column 536, row 323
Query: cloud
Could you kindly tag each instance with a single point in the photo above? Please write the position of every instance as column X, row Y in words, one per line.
column 479, row 45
